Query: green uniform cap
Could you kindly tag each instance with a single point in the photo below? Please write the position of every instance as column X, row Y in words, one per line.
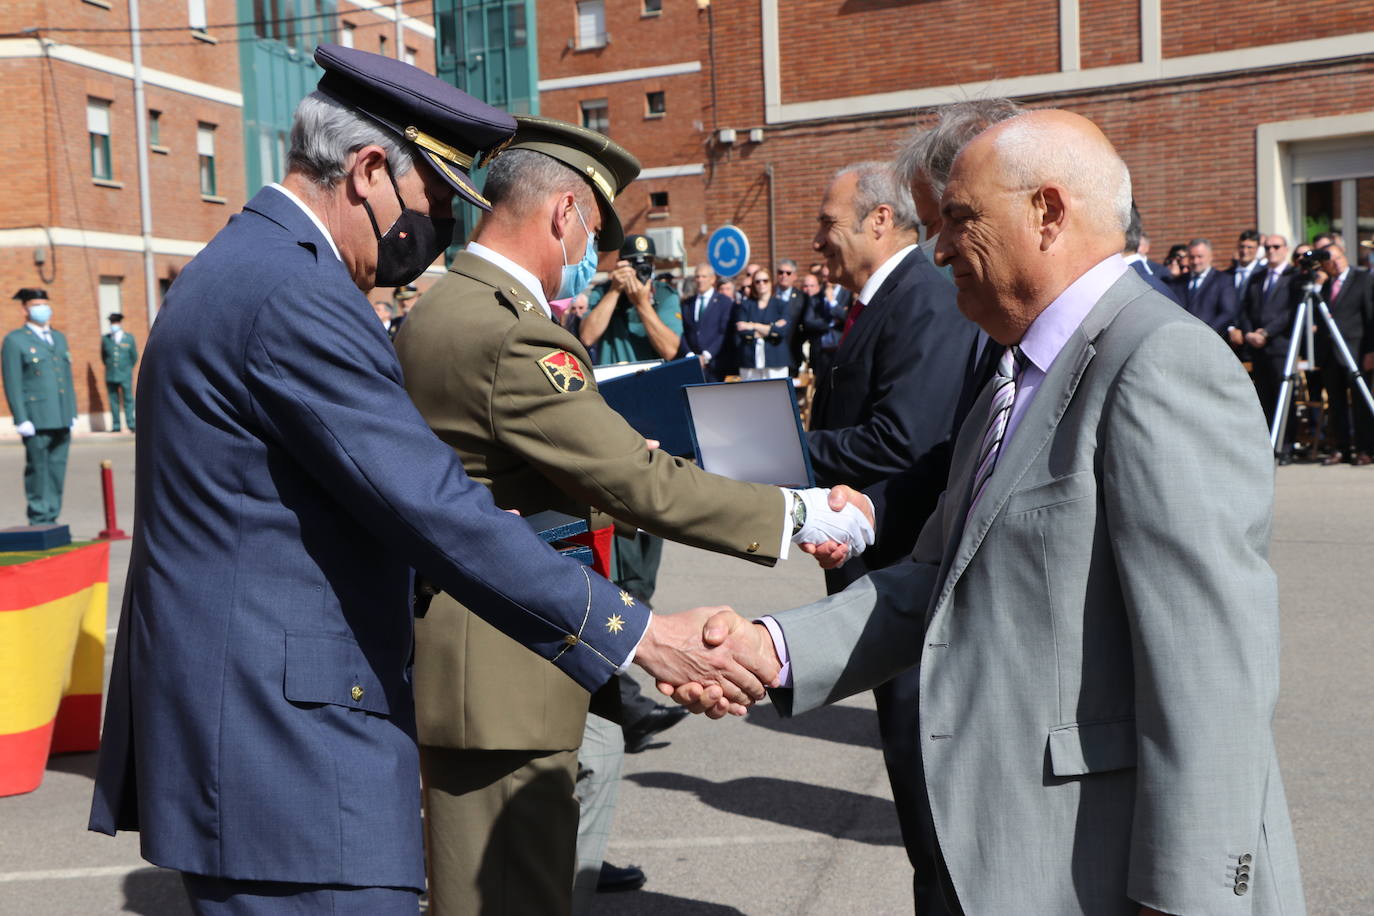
column 607, row 166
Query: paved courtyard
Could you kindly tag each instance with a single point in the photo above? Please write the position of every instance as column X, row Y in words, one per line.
column 765, row 816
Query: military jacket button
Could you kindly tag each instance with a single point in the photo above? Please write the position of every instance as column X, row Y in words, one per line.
column 356, row 693
column 753, row 548
column 570, row 639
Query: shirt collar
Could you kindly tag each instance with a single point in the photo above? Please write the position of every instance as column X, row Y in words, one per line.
column 40, row 331
column 1133, row 257
column 1053, row 327
column 1200, row 278
column 310, row 213
column 527, row 279
column 875, row 282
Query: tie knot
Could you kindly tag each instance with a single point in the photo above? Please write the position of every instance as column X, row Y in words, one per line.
column 1012, row 361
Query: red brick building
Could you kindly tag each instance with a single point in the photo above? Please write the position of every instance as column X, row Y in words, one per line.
column 74, row 221
column 1250, row 116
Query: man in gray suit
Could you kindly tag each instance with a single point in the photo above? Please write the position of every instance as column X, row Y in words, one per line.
column 1091, row 607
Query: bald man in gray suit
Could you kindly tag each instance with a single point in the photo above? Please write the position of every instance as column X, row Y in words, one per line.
column 1091, row 606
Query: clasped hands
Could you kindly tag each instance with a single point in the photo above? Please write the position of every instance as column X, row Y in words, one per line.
column 712, row 660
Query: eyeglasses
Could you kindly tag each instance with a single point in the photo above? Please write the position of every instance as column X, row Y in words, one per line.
column 1273, row 247
column 762, row 281
column 788, row 272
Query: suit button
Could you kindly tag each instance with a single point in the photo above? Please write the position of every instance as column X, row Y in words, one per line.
column 356, row 693
column 1246, row 859
column 753, row 548
column 570, row 639
column 1241, row 888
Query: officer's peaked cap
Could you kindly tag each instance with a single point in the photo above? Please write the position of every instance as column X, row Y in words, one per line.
column 606, row 165
column 451, row 130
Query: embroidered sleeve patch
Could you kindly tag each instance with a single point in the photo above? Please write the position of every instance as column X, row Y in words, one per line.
column 563, row 371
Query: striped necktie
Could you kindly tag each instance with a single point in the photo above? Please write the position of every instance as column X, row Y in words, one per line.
column 1003, row 396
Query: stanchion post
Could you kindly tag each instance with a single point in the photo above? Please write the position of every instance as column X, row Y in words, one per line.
column 112, row 531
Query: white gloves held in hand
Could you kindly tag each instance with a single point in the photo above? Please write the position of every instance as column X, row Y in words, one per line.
column 849, row 526
column 25, row 429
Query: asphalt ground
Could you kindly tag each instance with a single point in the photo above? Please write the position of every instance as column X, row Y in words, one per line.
column 766, row 816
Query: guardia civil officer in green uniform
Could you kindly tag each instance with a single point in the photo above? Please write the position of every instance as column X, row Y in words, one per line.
column 513, row 393
column 632, row 317
column 42, row 399
column 119, row 353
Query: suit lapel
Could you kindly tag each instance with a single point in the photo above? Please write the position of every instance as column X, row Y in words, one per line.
column 1034, row 431
column 510, row 289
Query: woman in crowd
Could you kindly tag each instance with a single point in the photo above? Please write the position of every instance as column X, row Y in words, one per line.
column 761, row 330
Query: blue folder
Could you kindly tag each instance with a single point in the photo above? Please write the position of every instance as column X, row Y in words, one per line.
column 651, row 402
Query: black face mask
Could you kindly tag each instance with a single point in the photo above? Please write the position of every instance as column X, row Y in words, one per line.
column 411, row 244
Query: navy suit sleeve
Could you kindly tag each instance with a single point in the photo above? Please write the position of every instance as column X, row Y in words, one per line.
column 917, row 373
column 327, row 385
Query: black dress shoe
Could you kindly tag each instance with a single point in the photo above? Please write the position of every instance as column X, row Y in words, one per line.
column 613, row 880
column 638, row 735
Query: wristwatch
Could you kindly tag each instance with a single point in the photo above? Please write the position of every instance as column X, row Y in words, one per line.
column 798, row 513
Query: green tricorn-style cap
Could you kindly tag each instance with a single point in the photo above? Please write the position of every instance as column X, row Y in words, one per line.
column 607, row 166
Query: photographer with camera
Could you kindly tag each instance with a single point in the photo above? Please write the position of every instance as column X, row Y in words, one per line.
column 632, row 317
column 1349, row 293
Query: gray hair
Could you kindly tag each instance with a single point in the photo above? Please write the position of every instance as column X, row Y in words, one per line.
column 325, row 132
column 878, row 184
column 1035, row 153
column 521, row 179
column 1201, row 241
column 929, row 154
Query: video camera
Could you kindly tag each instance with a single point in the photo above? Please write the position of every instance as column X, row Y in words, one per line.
column 1313, row 260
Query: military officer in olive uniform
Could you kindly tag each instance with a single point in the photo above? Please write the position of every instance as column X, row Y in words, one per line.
column 119, row 353
column 42, row 399
column 513, row 393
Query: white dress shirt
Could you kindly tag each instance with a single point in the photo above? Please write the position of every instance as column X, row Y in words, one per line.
column 313, row 218
column 527, row 279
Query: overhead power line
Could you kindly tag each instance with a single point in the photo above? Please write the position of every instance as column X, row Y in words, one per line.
column 31, row 31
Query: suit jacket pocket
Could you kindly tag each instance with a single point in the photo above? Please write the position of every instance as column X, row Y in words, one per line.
column 1080, row 748
column 325, row 668
column 1067, row 489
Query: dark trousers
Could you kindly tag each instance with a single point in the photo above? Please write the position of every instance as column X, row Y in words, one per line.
column 1346, row 410
column 120, row 393
column 45, row 470
column 212, row 896
column 635, row 563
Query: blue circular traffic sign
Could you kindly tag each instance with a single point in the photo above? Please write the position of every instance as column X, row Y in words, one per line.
column 727, row 250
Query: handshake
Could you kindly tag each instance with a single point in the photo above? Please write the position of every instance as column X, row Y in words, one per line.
column 712, row 660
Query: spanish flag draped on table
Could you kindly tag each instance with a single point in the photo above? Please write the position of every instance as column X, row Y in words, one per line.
column 52, row 657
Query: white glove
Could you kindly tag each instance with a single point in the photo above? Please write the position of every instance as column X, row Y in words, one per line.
column 25, row 429
column 73, row 426
column 848, row 526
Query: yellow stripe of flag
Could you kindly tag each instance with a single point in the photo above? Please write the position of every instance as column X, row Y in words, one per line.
column 48, row 651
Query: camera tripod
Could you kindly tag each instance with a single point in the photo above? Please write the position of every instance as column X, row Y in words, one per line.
column 1311, row 306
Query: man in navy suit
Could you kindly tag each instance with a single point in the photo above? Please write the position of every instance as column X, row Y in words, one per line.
column 1265, row 323
column 1206, row 293
column 705, row 318
column 1132, row 255
column 260, row 729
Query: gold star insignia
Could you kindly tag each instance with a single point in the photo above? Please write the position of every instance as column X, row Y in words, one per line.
column 615, row 623
column 527, row 306
column 626, row 599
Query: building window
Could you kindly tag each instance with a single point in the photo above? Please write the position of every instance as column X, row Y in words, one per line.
column 652, row 7
column 155, row 129
column 596, row 115
column 346, row 34
column 195, row 15
column 109, row 298
column 658, row 200
column 98, row 126
column 409, row 56
column 205, row 150
column 381, row 45
column 654, row 105
column 591, row 24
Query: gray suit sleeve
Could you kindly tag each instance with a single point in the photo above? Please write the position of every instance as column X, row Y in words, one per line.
column 857, row 639
column 1189, row 514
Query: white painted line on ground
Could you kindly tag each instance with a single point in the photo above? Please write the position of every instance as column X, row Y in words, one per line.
column 61, row 874
column 741, row 839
